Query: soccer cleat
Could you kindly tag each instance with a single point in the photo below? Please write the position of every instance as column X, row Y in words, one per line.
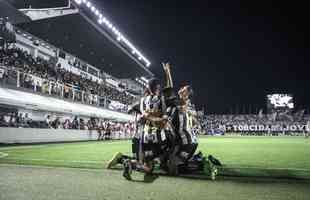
column 213, row 173
column 127, row 170
column 210, row 169
column 115, row 160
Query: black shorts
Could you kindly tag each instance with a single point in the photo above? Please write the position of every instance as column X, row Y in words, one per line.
column 135, row 147
column 151, row 151
column 187, row 151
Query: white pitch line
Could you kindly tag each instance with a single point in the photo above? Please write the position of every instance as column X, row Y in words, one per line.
column 50, row 167
column 57, row 144
column 64, row 161
column 22, row 147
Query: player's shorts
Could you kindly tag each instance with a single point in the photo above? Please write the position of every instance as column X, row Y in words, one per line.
column 187, row 151
column 135, row 147
column 151, row 151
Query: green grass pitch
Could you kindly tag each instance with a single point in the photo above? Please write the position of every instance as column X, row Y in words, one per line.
column 251, row 157
column 240, row 153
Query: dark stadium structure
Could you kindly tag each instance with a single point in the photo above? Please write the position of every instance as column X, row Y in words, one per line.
column 15, row 16
column 82, row 115
column 75, row 34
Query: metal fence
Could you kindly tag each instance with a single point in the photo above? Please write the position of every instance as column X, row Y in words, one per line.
column 16, row 78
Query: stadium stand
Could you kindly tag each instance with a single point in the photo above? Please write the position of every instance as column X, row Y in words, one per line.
column 260, row 124
column 59, row 91
column 32, row 64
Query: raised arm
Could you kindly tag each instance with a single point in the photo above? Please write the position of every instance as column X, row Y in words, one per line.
column 167, row 69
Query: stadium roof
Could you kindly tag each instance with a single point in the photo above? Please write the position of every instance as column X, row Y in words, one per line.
column 76, row 35
column 15, row 17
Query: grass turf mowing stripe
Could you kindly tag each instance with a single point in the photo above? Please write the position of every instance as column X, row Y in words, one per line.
column 22, row 147
column 51, row 160
column 3, row 155
column 244, row 156
column 266, row 172
column 225, row 171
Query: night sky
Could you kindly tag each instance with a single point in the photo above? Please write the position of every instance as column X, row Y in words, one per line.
column 232, row 52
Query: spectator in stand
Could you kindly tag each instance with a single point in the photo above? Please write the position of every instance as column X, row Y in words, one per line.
column 67, row 124
column 20, row 119
column 89, row 125
column 108, row 130
column 75, row 123
column 82, row 124
column 100, row 130
column 56, row 123
column 48, row 121
column 3, row 122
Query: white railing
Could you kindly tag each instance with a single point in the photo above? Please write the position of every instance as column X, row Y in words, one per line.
column 14, row 77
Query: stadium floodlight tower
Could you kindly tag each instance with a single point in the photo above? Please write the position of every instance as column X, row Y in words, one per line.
column 102, row 24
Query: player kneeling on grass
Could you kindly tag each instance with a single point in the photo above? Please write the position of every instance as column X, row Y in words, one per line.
column 150, row 137
column 177, row 153
column 180, row 124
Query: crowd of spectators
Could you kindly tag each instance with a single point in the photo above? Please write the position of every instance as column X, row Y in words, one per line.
column 106, row 129
column 277, row 122
column 20, row 120
column 49, row 77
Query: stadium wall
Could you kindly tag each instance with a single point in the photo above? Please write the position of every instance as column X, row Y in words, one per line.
column 24, row 135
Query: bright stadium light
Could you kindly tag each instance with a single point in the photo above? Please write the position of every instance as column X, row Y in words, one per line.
column 143, row 78
column 78, row 1
column 119, row 36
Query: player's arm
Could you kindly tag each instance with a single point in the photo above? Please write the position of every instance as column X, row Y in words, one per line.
column 152, row 116
column 168, row 77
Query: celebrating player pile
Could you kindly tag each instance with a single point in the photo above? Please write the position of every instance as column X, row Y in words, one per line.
column 165, row 134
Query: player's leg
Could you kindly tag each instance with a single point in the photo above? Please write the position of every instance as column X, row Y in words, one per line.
column 119, row 158
column 210, row 169
column 127, row 170
column 99, row 135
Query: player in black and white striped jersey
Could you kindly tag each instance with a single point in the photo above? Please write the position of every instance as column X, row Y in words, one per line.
column 307, row 132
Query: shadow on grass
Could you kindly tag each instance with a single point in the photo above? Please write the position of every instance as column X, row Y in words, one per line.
column 225, row 173
column 265, row 173
column 248, row 175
